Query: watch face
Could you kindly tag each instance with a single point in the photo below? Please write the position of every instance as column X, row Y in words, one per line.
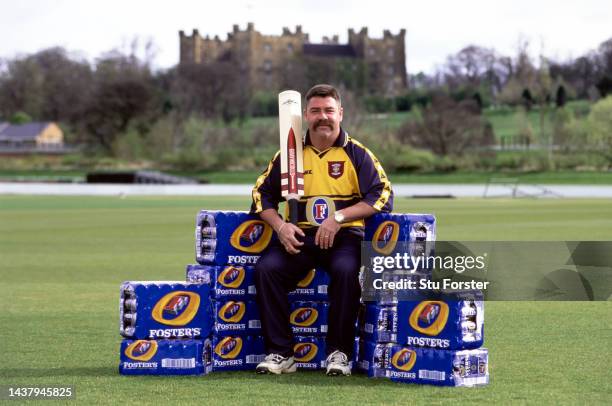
column 339, row 217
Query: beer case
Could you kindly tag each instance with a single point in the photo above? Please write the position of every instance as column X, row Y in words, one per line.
column 385, row 230
column 424, row 365
column 165, row 357
column 309, row 352
column 312, row 288
column 379, row 323
column 230, row 237
column 164, row 309
column 236, row 353
column 236, row 317
column 308, row 318
column 445, row 321
column 227, row 282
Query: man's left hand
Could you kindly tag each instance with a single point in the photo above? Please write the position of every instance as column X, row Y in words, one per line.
column 326, row 233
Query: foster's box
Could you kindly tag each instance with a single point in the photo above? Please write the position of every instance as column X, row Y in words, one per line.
column 236, row 317
column 165, row 309
column 308, row 318
column 312, row 287
column 230, row 237
column 450, row 321
column 227, row 282
column 379, row 323
column 385, row 230
column 235, row 353
column 309, row 352
column 165, row 357
column 437, row 367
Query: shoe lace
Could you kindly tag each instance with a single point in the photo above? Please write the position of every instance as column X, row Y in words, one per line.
column 276, row 358
column 337, row 357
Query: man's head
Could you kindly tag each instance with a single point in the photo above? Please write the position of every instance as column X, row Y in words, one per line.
column 323, row 113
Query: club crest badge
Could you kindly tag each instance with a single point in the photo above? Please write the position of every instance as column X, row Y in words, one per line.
column 335, row 169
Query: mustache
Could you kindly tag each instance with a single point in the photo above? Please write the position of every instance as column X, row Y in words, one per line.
column 323, row 123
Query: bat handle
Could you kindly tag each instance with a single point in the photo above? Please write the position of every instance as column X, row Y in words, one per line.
column 293, row 211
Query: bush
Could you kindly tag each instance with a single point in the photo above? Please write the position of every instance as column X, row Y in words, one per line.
column 264, row 104
column 378, row 104
column 600, row 126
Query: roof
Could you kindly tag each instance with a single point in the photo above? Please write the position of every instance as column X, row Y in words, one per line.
column 22, row 132
column 332, row 50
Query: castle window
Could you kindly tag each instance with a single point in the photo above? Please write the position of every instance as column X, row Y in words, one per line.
column 267, row 47
column 267, row 66
column 290, row 48
column 390, row 52
column 371, row 51
column 390, row 70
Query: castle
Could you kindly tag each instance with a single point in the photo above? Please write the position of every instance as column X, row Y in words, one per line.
column 273, row 62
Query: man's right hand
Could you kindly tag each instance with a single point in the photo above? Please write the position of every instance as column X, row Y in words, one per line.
column 287, row 236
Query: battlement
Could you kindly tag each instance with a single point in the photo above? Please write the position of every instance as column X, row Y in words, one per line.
column 265, row 57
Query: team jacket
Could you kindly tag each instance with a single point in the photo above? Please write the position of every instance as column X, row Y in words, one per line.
column 347, row 172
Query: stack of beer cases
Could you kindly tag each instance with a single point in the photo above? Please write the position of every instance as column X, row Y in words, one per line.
column 165, row 326
column 424, row 337
column 228, row 245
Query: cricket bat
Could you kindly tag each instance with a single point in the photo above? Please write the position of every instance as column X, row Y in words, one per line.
column 292, row 165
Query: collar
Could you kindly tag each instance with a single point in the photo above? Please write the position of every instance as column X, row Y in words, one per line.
column 341, row 141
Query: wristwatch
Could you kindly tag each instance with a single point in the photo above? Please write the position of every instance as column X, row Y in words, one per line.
column 339, row 217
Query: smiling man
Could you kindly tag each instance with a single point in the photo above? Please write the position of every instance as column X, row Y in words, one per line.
column 343, row 184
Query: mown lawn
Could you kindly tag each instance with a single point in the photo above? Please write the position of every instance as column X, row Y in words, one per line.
column 62, row 260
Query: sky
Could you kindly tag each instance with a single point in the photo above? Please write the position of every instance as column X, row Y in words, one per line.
column 434, row 29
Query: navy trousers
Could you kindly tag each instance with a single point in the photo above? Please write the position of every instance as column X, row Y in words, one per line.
column 278, row 272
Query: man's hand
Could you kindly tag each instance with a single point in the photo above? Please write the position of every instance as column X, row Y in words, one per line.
column 326, row 233
column 286, row 234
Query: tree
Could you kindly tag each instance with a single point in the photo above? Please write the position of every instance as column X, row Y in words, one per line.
column 560, row 97
column 447, row 127
column 600, row 125
column 123, row 95
column 48, row 85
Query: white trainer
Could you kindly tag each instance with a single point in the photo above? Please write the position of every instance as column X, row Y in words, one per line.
column 276, row 364
column 337, row 364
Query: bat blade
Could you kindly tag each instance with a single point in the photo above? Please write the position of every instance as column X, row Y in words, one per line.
column 292, row 166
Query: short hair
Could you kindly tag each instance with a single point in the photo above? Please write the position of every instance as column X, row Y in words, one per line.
column 323, row 90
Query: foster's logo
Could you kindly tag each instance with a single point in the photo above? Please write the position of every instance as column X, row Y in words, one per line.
column 232, row 312
column 385, row 237
column 251, row 236
column 229, row 347
column 176, row 308
column 304, row 316
column 304, row 352
column 404, row 359
column 429, row 317
column 231, row 276
column 141, row 350
column 307, row 279
column 319, row 208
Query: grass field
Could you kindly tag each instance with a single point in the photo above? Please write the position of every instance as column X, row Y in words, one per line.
column 62, row 260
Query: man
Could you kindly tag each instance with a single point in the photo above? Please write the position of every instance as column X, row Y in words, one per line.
column 346, row 173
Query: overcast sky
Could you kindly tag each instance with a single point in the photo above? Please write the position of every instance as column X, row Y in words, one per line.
column 434, row 29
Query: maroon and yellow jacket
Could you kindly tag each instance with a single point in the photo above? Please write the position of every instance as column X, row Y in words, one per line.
column 347, row 173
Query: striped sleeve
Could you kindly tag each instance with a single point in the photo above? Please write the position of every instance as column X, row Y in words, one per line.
column 374, row 185
column 266, row 193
